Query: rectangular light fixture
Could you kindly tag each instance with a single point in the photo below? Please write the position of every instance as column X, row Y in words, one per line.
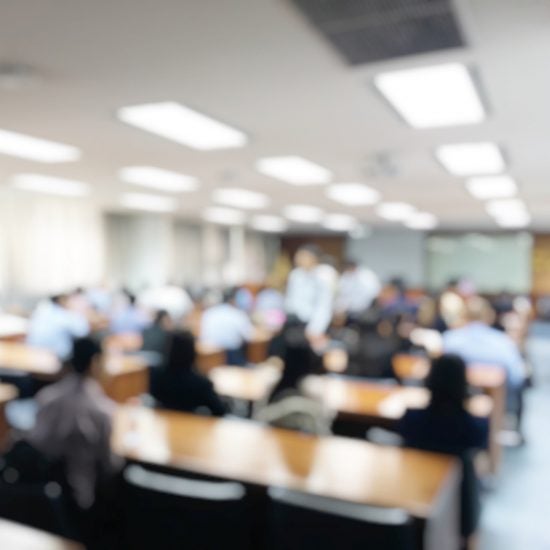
column 269, row 224
column 505, row 207
column 50, row 185
column 148, row 202
column 339, row 222
column 432, row 97
column 471, row 159
column 519, row 219
column 240, row 198
column 223, row 216
column 157, row 178
column 395, row 211
column 491, row 187
column 294, row 170
column 352, row 194
column 303, row 213
column 37, row 149
column 181, row 124
column 421, row 221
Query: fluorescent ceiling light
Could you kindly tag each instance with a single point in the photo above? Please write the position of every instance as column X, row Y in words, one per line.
column 294, row 170
column 503, row 207
column 303, row 213
column 421, row 221
column 223, row 216
column 471, row 159
column 271, row 224
column 395, row 211
column 352, row 194
column 178, row 123
column 156, row 178
column 241, row 198
column 148, row 202
column 491, row 187
column 339, row 222
column 50, row 185
column 430, row 97
column 40, row 150
column 519, row 219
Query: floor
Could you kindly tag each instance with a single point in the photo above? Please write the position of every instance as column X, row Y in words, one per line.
column 516, row 514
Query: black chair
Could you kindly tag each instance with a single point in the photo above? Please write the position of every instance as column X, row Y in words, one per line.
column 173, row 512
column 299, row 521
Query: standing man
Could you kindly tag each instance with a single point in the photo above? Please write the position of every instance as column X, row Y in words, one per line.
column 309, row 297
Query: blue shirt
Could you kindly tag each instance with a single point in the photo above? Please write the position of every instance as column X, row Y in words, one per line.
column 480, row 343
column 226, row 327
column 54, row 327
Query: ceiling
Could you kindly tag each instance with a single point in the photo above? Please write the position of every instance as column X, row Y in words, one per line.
column 260, row 66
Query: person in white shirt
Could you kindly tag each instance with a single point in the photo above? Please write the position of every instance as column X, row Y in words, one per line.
column 227, row 327
column 357, row 289
column 54, row 327
column 170, row 298
column 309, row 297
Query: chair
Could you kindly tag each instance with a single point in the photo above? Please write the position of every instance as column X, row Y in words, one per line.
column 173, row 512
column 299, row 521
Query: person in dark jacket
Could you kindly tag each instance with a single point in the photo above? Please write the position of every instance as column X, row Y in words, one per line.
column 177, row 385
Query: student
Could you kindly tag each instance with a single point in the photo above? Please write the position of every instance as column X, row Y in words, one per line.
column 479, row 342
column 178, row 386
column 225, row 326
column 53, row 327
column 73, row 425
column 172, row 298
column 155, row 336
column 129, row 318
column 309, row 297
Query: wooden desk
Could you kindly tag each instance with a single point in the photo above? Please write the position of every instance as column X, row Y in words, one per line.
column 7, row 394
column 209, row 357
column 488, row 378
column 257, row 347
column 424, row 484
column 14, row 536
column 22, row 358
column 246, row 384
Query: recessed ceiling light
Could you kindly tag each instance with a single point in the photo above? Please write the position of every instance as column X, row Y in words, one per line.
column 517, row 219
column 241, row 198
column 50, row 185
column 339, row 222
column 156, row 178
column 303, row 213
column 435, row 96
column 178, row 123
column 40, row 150
column 491, row 187
column 352, row 194
column 421, row 221
column 148, row 202
column 223, row 216
column 293, row 169
column 270, row 224
column 503, row 207
column 395, row 211
column 471, row 159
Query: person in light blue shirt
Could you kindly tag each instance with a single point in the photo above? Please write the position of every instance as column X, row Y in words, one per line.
column 54, row 327
column 129, row 318
column 227, row 327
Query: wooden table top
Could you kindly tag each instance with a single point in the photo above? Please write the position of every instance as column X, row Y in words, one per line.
column 248, row 384
column 14, row 536
column 21, row 357
column 7, row 393
column 242, row 450
column 417, row 367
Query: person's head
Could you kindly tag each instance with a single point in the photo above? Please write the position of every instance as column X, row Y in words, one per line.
column 447, row 381
column 163, row 320
column 327, row 259
column 130, row 297
column 229, row 295
column 478, row 310
column 349, row 265
column 86, row 356
column 398, row 285
column 59, row 300
column 307, row 256
column 181, row 351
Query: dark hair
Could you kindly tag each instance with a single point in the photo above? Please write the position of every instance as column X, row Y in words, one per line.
column 181, row 351
column 84, row 351
column 57, row 298
column 131, row 297
column 159, row 316
column 350, row 263
column 229, row 294
column 447, row 382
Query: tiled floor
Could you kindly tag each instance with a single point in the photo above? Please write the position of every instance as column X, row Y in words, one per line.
column 516, row 513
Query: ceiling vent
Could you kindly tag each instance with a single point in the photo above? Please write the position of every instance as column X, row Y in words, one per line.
column 364, row 31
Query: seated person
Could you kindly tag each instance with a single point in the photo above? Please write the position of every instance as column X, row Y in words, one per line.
column 73, row 425
column 445, row 426
column 177, row 385
column 53, row 326
column 155, row 336
column 129, row 317
column 227, row 327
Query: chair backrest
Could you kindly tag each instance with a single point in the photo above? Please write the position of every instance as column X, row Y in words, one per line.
column 299, row 520
column 173, row 512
